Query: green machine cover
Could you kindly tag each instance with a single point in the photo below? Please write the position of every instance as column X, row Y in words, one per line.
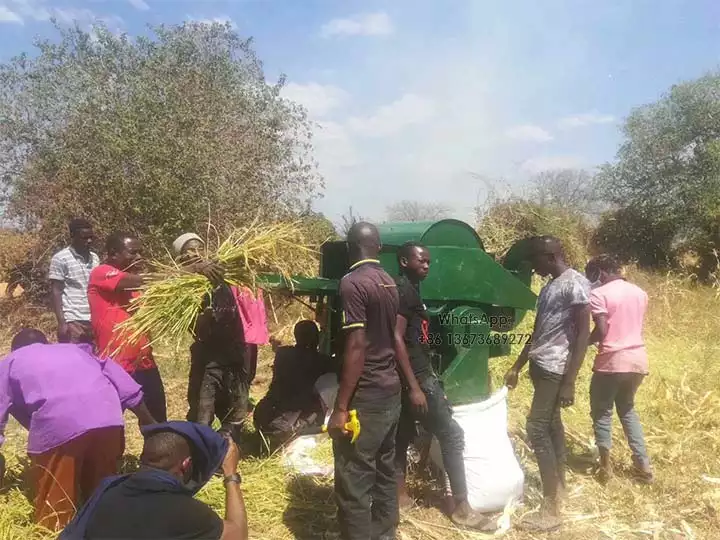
column 474, row 301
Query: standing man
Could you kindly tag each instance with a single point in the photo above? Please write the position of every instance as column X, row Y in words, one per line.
column 558, row 346
column 219, row 374
column 72, row 403
column 69, row 276
column 618, row 309
column 365, row 483
column 112, row 285
column 411, row 337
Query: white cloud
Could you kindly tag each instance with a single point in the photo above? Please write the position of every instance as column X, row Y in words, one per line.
column 139, row 4
column 528, row 132
column 364, row 24
column 586, row 119
column 222, row 19
column 318, row 99
column 409, row 110
column 548, row 163
column 7, row 16
column 36, row 10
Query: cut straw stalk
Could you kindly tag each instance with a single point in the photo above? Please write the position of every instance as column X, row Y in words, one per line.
column 171, row 299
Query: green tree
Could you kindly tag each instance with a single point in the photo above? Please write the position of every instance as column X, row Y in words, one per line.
column 154, row 135
column 668, row 169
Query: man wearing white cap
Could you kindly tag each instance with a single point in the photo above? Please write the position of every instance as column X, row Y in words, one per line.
column 219, row 376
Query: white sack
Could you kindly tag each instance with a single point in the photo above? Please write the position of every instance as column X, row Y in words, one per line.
column 494, row 476
column 327, row 386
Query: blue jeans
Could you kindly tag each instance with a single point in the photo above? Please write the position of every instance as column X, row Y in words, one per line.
column 618, row 389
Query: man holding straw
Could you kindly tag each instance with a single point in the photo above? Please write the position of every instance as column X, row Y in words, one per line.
column 365, row 482
column 111, row 287
column 220, row 364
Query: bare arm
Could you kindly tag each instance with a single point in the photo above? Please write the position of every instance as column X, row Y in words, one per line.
column 600, row 331
column 417, row 397
column 581, row 316
column 511, row 377
column 143, row 414
column 57, row 288
column 129, row 282
column 235, row 522
column 353, row 365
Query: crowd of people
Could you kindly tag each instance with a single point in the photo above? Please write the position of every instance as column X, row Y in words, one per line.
column 71, row 395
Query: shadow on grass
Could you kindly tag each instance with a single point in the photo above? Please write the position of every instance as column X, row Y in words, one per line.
column 311, row 512
column 19, row 478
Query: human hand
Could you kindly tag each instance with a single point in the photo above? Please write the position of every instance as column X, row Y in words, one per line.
column 511, row 378
column 567, row 394
column 336, row 424
column 418, row 401
column 232, row 457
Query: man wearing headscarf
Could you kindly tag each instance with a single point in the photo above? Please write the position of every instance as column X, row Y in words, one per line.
column 177, row 460
column 221, row 366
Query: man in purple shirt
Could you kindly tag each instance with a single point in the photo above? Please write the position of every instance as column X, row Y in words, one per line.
column 72, row 403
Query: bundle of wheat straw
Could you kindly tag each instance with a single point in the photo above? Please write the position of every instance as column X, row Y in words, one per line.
column 172, row 297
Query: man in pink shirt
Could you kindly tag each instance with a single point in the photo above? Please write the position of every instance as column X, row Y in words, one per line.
column 618, row 310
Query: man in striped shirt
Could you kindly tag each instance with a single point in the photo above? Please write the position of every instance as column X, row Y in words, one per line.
column 69, row 275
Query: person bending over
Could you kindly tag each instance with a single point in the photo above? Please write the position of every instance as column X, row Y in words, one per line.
column 71, row 402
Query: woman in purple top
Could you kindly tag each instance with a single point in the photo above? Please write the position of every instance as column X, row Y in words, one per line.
column 72, row 404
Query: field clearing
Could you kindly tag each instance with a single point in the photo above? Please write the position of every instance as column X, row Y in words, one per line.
column 678, row 404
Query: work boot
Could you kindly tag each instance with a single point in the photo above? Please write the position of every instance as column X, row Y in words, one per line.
column 405, row 501
column 546, row 519
column 605, row 472
column 642, row 472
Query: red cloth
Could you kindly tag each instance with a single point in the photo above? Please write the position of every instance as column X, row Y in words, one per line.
column 252, row 315
column 425, row 328
column 108, row 308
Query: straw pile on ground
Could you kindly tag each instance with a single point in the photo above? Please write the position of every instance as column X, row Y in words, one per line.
column 172, row 297
column 679, row 406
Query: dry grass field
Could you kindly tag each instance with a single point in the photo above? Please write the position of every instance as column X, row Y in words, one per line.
column 678, row 403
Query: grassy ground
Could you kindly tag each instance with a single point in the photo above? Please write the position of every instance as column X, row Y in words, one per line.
column 678, row 404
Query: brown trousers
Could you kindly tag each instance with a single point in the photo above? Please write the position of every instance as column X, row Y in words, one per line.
column 66, row 476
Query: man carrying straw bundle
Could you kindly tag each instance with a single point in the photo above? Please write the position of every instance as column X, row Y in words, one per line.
column 221, row 368
column 365, row 483
column 556, row 352
column 112, row 285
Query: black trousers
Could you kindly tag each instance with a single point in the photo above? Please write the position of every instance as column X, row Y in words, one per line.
column 153, row 391
column 545, row 428
column 219, row 386
column 439, row 422
column 365, row 482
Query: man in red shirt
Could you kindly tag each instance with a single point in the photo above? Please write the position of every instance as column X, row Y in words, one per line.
column 111, row 287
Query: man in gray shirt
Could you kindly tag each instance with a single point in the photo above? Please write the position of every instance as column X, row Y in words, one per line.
column 556, row 352
column 69, row 275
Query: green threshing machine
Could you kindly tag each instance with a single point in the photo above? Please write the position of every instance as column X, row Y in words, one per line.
column 473, row 301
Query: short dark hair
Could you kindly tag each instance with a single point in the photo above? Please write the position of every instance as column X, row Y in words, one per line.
column 115, row 243
column 306, row 332
column 546, row 244
column 27, row 336
column 165, row 449
column 406, row 249
column 605, row 262
column 79, row 224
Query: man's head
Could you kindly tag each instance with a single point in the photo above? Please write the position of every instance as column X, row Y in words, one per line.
column 188, row 246
column 168, row 451
column 81, row 235
column 547, row 256
column 307, row 335
column 602, row 268
column 123, row 251
column 363, row 240
column 27, row 336
column 414, row 261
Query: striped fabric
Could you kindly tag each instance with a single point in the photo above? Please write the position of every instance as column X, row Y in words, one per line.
column 69, row 267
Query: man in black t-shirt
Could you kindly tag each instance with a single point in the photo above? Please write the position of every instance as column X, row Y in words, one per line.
column 365, row 484
column 411, row 328
column 222, row 366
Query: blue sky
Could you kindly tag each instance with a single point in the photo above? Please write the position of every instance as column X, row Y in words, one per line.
column 415, row 99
